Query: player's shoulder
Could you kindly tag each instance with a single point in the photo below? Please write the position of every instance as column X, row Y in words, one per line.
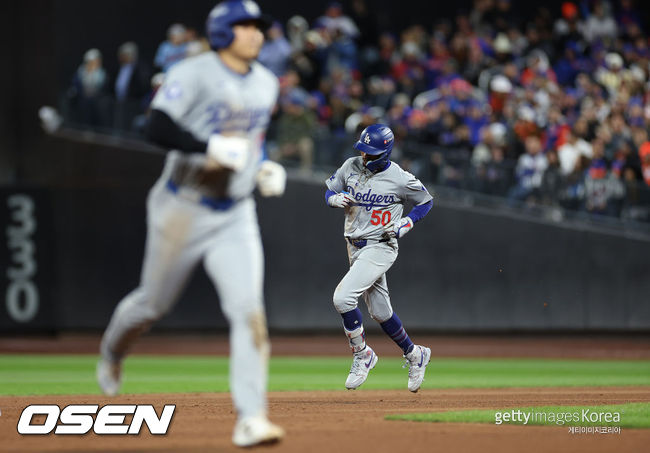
column 395, row 168
column 353, row 163
column 396, row 171
column 195, row 61
column 259, row 71
column 189, row 68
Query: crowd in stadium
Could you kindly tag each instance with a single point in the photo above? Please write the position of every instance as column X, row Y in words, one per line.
column 544, row 106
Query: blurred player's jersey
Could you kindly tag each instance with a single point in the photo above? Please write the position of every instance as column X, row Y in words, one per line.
column 203, row 96
column 378, row 198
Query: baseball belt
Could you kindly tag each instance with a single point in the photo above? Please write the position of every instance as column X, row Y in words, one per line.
column 218, row 204
column 210, row 182
column 361, row 243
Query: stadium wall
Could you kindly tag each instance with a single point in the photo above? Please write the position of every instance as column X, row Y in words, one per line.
column 77, row 241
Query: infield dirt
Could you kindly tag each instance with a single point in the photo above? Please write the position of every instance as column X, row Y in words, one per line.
column 345, row 421
column 331, row 422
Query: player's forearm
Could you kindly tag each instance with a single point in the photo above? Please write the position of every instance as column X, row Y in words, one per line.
column 419, row 211
column 163, row 131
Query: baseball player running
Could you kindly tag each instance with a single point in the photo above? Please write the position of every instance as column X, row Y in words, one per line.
column 373, row 190
column 212, row 111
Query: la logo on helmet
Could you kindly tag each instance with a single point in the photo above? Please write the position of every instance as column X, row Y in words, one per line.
column 251, row 8
column 367, row 139
column 219, row 10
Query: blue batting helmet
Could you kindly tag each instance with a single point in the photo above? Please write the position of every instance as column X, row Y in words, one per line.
column 228, row 13
column 376, row 140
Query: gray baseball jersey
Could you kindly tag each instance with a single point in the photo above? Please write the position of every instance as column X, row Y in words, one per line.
column 184, row 229
column 379, row 198
column 204, row 97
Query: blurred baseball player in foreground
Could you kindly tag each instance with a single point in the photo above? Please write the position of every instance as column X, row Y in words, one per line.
column 373, row 190
column 212, row 111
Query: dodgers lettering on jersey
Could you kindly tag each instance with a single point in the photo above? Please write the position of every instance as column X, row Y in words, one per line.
column 378, row 198
column 370, row 200
column 222, row 118
column 203, row 96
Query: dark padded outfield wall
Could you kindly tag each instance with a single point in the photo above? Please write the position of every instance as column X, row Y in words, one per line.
column 462, row 269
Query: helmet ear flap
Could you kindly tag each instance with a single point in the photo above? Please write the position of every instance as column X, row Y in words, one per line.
column 221, row 38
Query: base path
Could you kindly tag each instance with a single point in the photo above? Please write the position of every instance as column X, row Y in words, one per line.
column 344, row 421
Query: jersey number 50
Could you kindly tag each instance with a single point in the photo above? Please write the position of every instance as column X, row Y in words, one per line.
column 378, row 216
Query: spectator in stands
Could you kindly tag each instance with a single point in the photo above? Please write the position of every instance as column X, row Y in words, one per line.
column 195, row 44
column 490, row 172
column 502, row 16
column 573, row 193
column 131, row 86
column 603, row 188
column 172, row 50
column 366, row 20
column 342, row 51
column 297, row 28
column 398, row 114
column 620, row 137
column 600, row 25
column 339, row 101
column 140, row 121
column 295, row 128
column 334, row 21
column 500, row 90
column 409, row 71
column 570, row 152
column 276, row 50
column 290, row 86
column 538, row 66
column 644, row 155
column 611, row 75
column 88, row 93
column 571, row 64
column 567, row 83
column 524, row 126
column 628, row 15
column 567, row 28
column 529, row 172
column 310, row 62
column 552, row 180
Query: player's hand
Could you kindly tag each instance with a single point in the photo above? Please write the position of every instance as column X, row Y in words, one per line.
column 340, row 200
column 228, row 152
column 398, row 231
column 271, row 179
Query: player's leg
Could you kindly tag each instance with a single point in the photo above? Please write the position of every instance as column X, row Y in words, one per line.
column 168, row 262
column 377, row 299
column 367, row 265
column 235, row 263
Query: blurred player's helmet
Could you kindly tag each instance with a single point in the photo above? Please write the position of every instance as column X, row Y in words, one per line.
column 376, row 140
column 226, row 14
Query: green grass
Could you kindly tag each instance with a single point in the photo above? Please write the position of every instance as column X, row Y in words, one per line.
column 632, row 415
column 75, row 374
